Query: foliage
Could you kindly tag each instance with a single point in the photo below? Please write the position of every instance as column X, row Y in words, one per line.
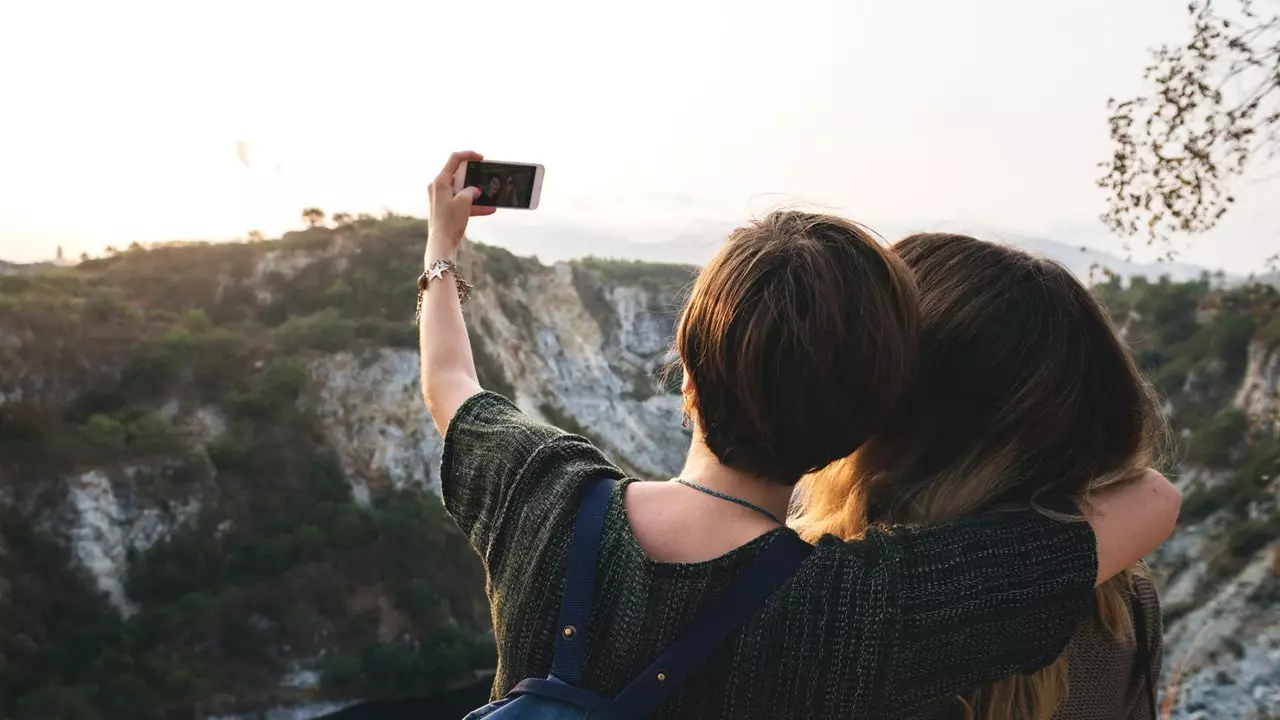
column 1251, row 536
column 314, row 217
column 1243, row 488
column 220, row 598
column 280, row 557
column 655, row 276
column 1212, row 444
column 502, row 266
column 1212, row 107
column 325, row 330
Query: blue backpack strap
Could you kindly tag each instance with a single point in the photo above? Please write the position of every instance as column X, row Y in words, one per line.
column 601, row 707
column 774, row 566
column 579, row 583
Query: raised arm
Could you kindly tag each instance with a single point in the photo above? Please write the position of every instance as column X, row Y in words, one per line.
column 1131, row 520
column 448, row 369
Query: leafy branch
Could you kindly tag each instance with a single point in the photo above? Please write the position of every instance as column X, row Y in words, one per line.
column 1211, row 110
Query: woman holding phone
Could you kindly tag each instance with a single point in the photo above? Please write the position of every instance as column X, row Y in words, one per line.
column 796, row 343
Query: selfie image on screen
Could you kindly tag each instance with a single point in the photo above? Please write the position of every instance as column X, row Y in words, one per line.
column 501, row 185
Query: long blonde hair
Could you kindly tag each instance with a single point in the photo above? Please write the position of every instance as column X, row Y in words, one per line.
column 1023, row 391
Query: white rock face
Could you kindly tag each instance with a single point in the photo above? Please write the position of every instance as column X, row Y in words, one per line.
column 371, row 408
column 206, row 423
column 1257, row 396
column 1224, row 657
column 560, row 360
column 588, row 365
column 107, row 525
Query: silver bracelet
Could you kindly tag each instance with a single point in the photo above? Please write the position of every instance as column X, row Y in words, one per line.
column 436, row 271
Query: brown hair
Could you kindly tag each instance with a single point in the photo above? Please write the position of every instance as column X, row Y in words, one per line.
column 1023, row 392
column 799, row 337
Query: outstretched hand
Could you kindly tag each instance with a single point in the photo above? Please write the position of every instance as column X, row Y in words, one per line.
column 450, row 211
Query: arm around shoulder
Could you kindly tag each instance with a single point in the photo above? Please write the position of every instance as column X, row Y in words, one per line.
column 1131, row 520
column 986, row 596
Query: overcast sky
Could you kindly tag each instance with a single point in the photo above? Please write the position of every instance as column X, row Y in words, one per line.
column 120, row 120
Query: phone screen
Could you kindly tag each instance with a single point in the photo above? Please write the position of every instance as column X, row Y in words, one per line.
column 502, row 184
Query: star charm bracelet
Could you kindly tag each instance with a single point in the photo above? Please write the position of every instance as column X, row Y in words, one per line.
column 436, row 271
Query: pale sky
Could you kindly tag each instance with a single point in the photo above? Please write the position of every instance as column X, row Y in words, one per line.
column 119, row 120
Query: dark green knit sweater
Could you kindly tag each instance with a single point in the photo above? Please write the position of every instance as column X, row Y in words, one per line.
column 867, row 629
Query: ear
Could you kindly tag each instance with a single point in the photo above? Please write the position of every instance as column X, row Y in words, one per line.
column 686, row 382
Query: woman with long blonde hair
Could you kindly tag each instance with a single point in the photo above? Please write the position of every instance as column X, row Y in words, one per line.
column 1023, row 394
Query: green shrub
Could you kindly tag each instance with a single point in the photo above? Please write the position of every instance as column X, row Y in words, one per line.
column 502, row 266
column 657, row 276
column 274, row 391
column 151, row 372
column 325, row 330
column 196, row 321
column 106, row 433
column 151, row 433
column 1200, row 504
column 1212, row 444
column 227, row 454
column 25, row 430
column 1251, row 536
column 1269, row 332
column 1246, row 486
column 219, row 362
column 1232, row 332
column 387, row 333
column 1171, row 376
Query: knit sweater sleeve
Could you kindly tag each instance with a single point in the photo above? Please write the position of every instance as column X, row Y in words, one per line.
column 980, row 598
column 503, row 474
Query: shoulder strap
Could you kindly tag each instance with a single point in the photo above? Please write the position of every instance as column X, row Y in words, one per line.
column 579, row 583
column 1143, row 651
column 772, row 567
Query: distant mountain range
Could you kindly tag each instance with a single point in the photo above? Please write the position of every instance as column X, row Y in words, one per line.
column 1083, row 260
column 553, row 242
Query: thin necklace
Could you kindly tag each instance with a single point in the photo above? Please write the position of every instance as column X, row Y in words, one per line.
column 730, row 498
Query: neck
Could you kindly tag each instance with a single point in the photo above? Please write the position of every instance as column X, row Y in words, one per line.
column 704, row 468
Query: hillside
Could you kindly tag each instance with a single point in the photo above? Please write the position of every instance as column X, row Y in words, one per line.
column 215, row 464
column 217, row 474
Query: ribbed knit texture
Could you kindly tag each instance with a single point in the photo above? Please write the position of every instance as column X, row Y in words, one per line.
column 869, row 629
column 1105, row 682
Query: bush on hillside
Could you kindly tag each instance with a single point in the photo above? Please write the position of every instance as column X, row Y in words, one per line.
column 1213, row 443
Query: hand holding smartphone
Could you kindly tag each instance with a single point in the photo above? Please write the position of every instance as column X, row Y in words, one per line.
column 502, row 184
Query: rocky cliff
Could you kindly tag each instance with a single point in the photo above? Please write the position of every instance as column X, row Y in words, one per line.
column 1221, row 572
column 1212, row 352
column 224, row 452
column 217, row 474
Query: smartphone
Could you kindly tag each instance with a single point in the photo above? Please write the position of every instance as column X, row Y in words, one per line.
column 502, row 184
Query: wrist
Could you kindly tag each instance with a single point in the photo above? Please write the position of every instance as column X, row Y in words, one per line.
column 443, row 238
column 433, row 254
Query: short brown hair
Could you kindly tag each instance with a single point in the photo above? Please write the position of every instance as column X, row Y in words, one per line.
column 799, row 337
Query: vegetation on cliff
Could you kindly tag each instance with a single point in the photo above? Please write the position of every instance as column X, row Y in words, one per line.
column 280, row 564
column 1194, row 341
